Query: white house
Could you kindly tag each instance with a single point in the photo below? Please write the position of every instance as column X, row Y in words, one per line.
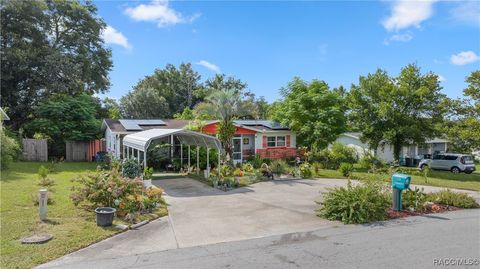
column 352, row 139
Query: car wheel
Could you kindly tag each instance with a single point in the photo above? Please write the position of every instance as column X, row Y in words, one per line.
column 455, row 170
column 423, row 166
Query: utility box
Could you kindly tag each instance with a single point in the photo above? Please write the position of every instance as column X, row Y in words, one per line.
column 400, row 182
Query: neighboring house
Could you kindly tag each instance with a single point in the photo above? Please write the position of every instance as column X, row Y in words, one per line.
column 265, row 138
column 352, row 139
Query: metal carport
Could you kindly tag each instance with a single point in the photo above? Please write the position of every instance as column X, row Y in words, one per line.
column 140, row 142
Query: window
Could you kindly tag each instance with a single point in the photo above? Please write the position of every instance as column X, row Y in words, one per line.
column 438, row 157
column 271, row 141
column 280, row 141
column 275, row 141
column 246, row 140
column 450, row 157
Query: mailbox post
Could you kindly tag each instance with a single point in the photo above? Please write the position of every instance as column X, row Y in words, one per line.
column 42, row 203
column 400, row 182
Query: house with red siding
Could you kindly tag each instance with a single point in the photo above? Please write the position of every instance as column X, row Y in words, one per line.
column 263, row 137
column 266, row 138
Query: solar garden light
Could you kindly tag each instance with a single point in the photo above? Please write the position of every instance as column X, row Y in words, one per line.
column 400, row 182
column 42, row 203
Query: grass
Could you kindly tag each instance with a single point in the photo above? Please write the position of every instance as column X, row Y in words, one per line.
column 435, row 178
column 72, row 228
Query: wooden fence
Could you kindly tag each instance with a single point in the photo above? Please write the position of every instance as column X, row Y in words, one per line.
column 82, row 150
column 35, row 149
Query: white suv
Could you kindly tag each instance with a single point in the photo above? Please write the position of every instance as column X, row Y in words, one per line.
column 455, row 163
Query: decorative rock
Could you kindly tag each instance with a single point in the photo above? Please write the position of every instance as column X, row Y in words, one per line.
column 36, row 239
column 121, row 227
column 140, row 224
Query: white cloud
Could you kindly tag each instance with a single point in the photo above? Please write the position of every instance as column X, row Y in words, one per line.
column 441, row 78
column 159, row 12
column 111, row 36
column 464, row 57
column 399, row 38
column 209, row 65
column 467, row 12
column 407, row 13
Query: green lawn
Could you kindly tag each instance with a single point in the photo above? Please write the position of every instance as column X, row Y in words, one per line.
column 436, row 178
column 73, row 228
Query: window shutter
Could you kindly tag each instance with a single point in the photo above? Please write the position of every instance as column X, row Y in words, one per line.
column 264, row 143
column 288, row 141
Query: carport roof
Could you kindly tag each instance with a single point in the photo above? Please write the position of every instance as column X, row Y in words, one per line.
column 142, row 140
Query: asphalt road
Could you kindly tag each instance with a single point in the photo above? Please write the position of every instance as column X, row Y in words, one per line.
column 413, row 242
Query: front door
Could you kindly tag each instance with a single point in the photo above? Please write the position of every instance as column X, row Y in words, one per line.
column 237, row 150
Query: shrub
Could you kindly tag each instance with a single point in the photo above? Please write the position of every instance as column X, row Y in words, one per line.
column 355, row 204
column 333, row 157
column 306, row 170
column 371, row 162
column 450, row 198
column 9, row 149
column 226, row 170
column 130, row 168
column 109, row 188
column 414, row 199
column 316, row 167
column 346, row 169
column 279, row 167
column 248, row 168
column 147, row 173
column 256, row 161
column 238, row 172
column 44, row 180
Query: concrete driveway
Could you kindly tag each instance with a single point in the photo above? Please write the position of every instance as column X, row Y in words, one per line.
column 202, row 215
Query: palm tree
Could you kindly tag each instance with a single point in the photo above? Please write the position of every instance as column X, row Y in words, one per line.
column 225, row 105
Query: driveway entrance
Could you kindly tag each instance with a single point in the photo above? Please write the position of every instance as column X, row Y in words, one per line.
column 203, row 215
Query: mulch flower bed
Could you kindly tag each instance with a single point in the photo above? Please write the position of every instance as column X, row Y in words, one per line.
column 429, row 209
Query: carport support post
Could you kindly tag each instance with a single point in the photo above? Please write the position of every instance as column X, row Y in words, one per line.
column 144, row 158
column 188, row 169
column 138, row 156
column 208, row 161
column 218, row 168
column 181, row 156
column 198, row 160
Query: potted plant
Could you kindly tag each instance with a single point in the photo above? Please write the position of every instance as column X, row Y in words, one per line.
column 105, row 216
column 147, row 176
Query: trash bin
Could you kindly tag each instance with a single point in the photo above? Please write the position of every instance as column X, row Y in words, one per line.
column 400, row 182
column 105, row 216
column 409, row 162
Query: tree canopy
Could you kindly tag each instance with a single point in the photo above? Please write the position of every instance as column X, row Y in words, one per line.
column 397, row 110
column 172, row 88
column 463, row 125
column 50, row 47
column 65, row 117
column 312, row 110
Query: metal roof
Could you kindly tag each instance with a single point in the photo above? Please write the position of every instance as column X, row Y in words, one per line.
column 266, row 123
column 134, row 125
column 142, row 140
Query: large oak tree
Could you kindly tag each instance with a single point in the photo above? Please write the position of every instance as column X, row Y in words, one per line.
column 397, row 110
column 50, row 47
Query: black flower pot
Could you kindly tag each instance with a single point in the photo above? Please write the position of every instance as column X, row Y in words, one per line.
column 105, row 216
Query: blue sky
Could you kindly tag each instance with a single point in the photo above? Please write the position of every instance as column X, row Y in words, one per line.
column 267, row 43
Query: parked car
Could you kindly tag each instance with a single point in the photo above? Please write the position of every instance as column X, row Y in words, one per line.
column 453, row 162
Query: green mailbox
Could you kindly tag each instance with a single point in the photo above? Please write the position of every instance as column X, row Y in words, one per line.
column 400, row 182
